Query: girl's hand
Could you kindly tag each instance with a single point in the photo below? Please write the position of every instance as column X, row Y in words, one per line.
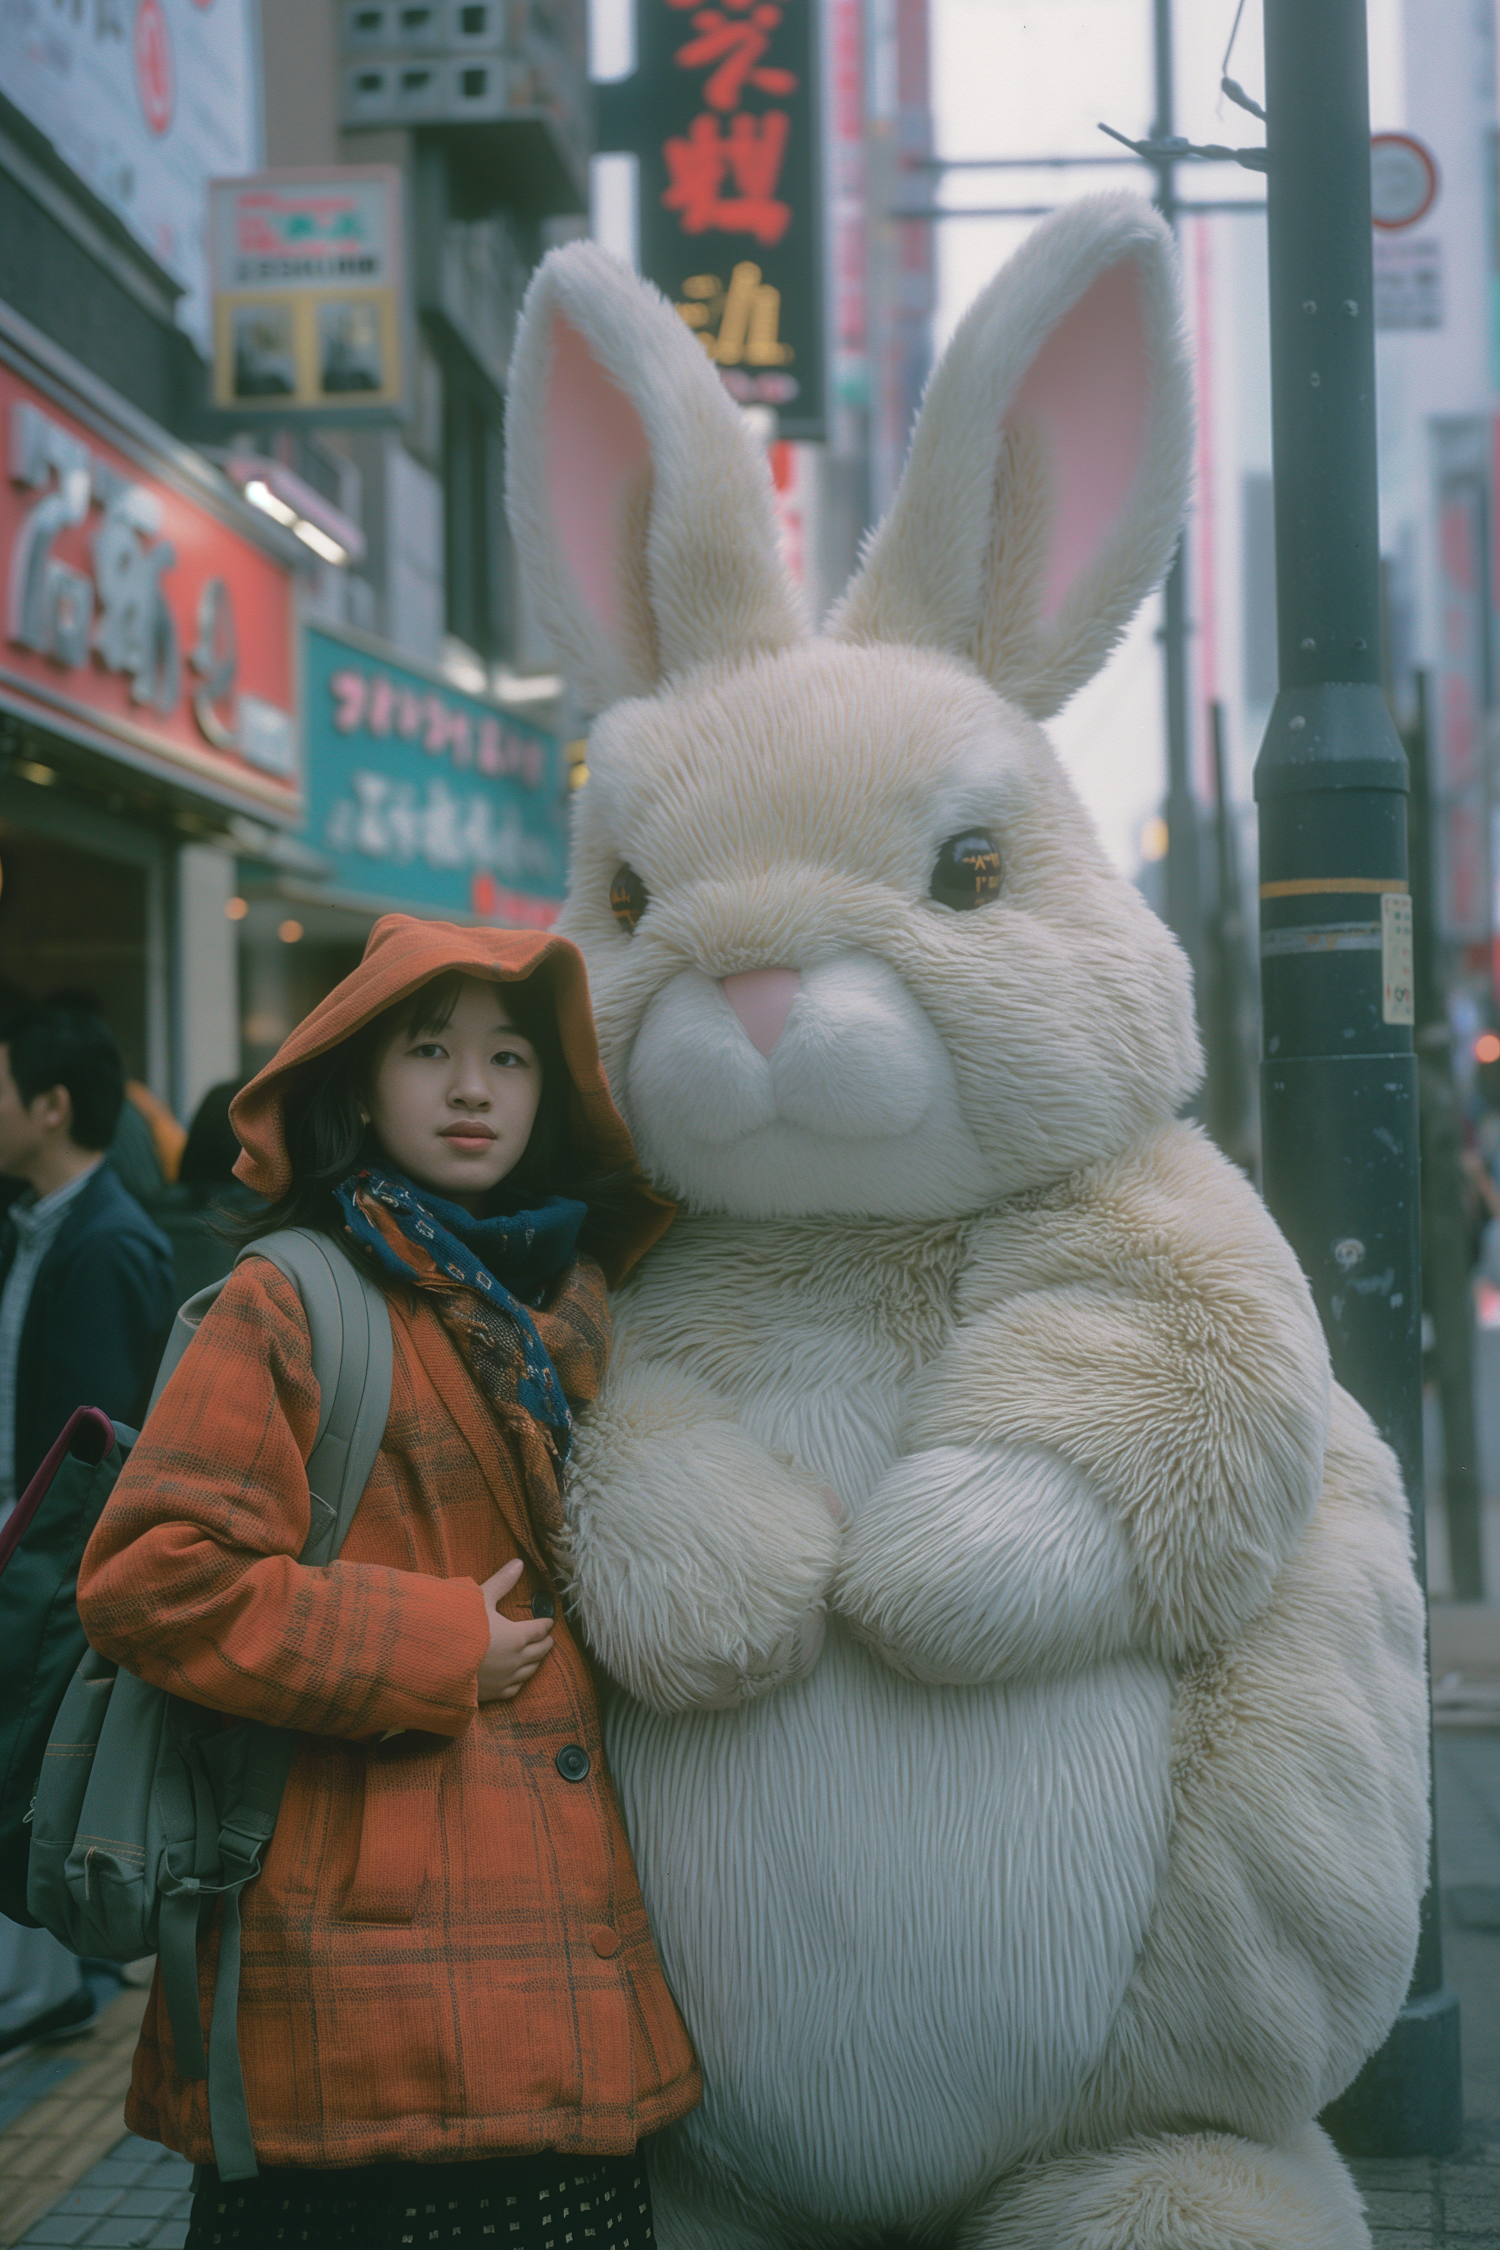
column 517, row 1645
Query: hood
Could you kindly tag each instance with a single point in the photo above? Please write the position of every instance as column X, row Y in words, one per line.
column 404, row 953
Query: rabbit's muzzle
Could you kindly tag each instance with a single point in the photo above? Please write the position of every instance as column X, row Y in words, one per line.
column 821, row 1090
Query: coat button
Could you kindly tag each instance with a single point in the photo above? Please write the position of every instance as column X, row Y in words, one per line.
column 604, row 1940
column 542, row 1603
column 573, row 1762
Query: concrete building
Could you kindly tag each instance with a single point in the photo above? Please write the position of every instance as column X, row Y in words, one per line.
column 233, row 733
column 120, row 798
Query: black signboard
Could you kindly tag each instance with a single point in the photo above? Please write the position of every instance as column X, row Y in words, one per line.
column 722, row 114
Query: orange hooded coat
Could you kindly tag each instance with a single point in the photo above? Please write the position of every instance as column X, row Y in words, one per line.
column 446, row 1953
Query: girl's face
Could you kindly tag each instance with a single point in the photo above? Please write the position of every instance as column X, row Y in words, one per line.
column 453, row 1109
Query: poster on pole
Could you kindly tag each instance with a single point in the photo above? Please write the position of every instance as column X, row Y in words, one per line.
column 722, row 114
column 144, row 100
column 307, row 281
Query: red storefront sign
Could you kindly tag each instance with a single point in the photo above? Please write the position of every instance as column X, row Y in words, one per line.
column 138, row 618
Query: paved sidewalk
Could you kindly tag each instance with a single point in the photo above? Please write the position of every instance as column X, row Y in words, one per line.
column 136, row 2198
column 62, row 2136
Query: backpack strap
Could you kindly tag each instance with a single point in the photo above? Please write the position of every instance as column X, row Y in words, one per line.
column 349, row 1325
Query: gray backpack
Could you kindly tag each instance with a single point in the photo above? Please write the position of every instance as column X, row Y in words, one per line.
column 150, row 1808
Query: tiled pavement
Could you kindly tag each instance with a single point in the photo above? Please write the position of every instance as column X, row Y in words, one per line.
column 68, row 2171
column 137, row 2195
column 1419, row 2205
column 68, row 2177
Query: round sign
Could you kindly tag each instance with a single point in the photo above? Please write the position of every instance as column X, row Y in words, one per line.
column 1403, row 180
column 153, row 65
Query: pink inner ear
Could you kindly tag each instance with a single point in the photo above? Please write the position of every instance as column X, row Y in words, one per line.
column 595, row 447
column 1090, row 387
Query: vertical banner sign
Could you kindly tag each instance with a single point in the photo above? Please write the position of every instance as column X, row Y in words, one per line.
column 722, row 115
column 307, row 293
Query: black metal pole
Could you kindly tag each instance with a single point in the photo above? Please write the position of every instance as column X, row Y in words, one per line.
column 1339, row 1079
column 1184, row 901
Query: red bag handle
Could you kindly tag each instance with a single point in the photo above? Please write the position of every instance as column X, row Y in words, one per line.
column 89, row 1433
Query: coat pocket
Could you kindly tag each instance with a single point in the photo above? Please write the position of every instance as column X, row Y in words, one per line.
column 398, row 1831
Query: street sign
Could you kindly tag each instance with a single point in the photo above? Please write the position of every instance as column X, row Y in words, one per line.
column 426, row 797
column 141, row 619
column 1408, row 276
column 722, row 114
column 308, row 314
column 1403, row 181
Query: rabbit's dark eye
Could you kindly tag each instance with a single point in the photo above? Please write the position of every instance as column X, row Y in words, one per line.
column 628, row 896
column 967, row 870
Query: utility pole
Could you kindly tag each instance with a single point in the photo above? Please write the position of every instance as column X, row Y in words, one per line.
column 1339, row 1080
column 1184, row 902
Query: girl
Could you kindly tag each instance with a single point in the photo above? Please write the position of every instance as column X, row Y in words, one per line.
column 452, row 2022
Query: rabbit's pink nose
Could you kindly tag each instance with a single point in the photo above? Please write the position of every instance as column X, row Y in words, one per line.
column 762, row 999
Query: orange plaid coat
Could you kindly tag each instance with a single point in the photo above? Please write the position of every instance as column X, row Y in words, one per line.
column 446, row 1954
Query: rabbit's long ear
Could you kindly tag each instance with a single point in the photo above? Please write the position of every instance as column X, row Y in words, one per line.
column 1050, row 466
column 641, row 506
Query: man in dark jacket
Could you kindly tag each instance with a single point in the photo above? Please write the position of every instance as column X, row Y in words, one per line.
column 86, row 1297
column 86, row 1280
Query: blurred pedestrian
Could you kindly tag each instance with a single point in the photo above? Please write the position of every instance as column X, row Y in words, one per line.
column 202, row 1216
column 86, row 1283
column 146, row 1146
column 85, row 1299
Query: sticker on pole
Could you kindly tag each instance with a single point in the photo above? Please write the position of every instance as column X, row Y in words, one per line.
column 1403, row 180
column 1396, row 958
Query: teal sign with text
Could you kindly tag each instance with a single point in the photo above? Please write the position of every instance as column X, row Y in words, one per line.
column 426, row 797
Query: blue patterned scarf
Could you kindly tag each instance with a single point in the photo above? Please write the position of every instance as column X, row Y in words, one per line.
column 509, row 1262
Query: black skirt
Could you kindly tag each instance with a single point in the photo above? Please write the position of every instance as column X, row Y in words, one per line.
column 545, row 2202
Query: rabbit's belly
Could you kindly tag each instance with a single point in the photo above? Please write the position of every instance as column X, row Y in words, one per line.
column 899, row 1920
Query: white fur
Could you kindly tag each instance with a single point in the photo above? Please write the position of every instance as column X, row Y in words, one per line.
column 884, row 2019
column 855, row 1109
column 709, row 547
column 1060, row 1793
column 787, row 812
column 967, row 1565
column 1194, row 2191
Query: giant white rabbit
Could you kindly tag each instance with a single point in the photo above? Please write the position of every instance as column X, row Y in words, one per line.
column 1020, row 1713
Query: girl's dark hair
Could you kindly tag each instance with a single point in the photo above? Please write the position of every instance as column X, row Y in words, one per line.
column 328, row 1137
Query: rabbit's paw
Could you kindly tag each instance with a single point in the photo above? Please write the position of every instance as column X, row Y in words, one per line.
column 1177, row 2191
column 971, row 1563
column 697, row 1561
